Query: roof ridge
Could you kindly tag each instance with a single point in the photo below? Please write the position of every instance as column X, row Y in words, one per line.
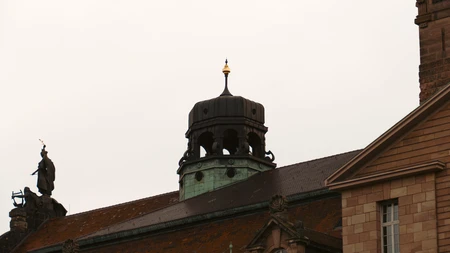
column 120, row 204
column 320, row 158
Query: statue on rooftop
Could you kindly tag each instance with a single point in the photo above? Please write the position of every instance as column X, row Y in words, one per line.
column 46, row 174
column 32, row 201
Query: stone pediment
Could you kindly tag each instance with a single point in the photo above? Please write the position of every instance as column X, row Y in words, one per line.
column 281, row 235
column 278, row 234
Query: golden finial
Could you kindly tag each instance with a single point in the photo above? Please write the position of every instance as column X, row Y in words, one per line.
column 226, row 69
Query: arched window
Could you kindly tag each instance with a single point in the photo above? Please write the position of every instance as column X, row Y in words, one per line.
column 205, row 141
column 254, row 143
column 230, row 141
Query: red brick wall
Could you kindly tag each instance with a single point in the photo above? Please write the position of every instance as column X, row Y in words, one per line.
column 434, row 31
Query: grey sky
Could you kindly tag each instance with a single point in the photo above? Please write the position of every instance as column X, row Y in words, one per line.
column 108, row 84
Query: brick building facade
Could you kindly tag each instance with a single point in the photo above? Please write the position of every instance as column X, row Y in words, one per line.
column 406, row 169
column 392, row 196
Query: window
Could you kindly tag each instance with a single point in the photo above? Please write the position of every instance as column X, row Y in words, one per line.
column 389, row 227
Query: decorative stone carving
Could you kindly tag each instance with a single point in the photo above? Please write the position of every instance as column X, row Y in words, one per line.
column 188, row 154
column 32, row 201
column 269, row 153
column 18, row 219
column 278, row 204
column 70, row 246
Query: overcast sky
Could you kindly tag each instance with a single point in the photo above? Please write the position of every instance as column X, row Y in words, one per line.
column 108, row 85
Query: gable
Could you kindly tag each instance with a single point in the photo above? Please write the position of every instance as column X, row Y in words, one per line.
column 429, row 140
column 418, row 143
column 274, row 233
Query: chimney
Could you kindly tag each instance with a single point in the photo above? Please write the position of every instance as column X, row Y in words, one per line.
column 18, row 221
column 433, row 20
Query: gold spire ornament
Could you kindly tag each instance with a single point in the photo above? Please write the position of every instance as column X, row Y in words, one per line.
column 226, row 71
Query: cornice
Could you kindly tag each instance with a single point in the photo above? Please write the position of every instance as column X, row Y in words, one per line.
column 389, row 175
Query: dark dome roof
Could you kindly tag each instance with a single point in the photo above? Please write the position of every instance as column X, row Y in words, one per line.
column 226, row 106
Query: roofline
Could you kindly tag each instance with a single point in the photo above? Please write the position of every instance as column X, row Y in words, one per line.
column 433, row 166
column 319, row 158
column 397, row 130
column 142, row 232
column 124, row 203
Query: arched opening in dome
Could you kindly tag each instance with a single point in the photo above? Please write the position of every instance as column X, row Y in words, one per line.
column 205, row 142
column 202, row 152
column 254, row 143
column 230, row 141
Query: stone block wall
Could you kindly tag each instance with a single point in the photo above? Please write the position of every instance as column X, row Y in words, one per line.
column 361, row 218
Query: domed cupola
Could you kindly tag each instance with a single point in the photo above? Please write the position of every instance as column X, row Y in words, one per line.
column 226, row 143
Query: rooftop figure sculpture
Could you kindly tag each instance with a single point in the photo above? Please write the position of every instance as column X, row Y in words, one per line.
column 46, row 174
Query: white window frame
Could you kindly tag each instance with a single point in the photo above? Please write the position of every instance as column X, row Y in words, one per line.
column 391, row 222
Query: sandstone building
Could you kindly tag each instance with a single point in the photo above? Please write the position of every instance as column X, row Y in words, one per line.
column 392, row 196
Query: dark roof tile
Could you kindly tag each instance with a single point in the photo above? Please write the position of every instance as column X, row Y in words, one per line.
column 58, row 230
column 289, row 180
column 216, row 236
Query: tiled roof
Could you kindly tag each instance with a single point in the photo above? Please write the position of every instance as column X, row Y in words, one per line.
column 300, row 178
column 58, row 230
column 294, row 179
column 216, row 236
